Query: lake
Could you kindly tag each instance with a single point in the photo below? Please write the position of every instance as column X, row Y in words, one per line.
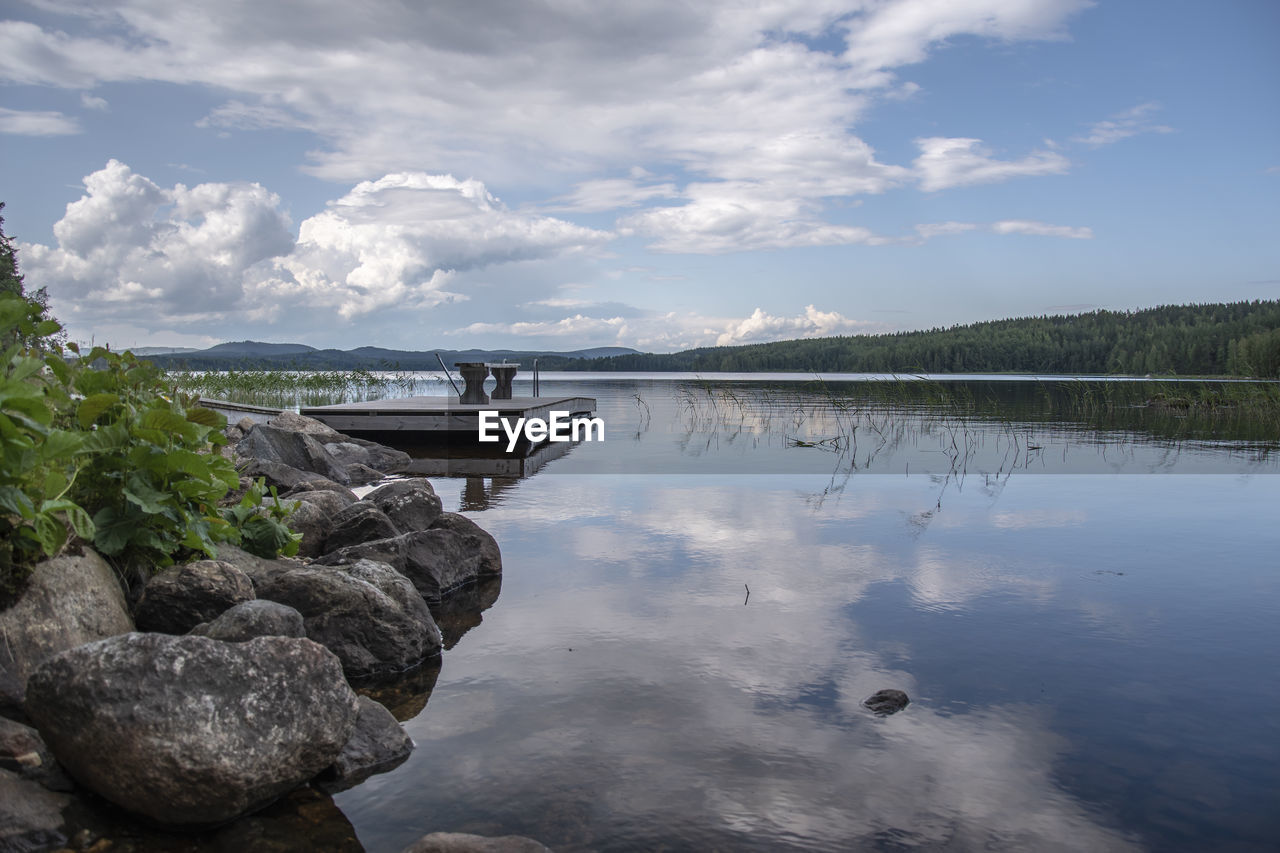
column 1079, row 593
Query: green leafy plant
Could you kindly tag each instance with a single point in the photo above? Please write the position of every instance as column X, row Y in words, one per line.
column 96, row 445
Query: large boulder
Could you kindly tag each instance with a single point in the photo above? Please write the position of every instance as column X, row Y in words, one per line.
column 368, row 614
column 69, row 600
column 296, row 449
column 360, row 522
column 257, row 618
column 389, row 551
column 308, row 489
column 284, row 477
column 190, row 731
column 377, row 744
column 259, row 569
column 313, row 521
column 411, row 504
column 458, row 842
column 451, row 554
column 181, row 597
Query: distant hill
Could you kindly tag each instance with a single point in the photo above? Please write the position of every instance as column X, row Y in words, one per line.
column 256, row 348
column 143, row 351
column 1219, row 339
column 253, row 354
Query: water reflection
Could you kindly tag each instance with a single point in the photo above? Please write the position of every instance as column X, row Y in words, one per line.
column 1058, row 636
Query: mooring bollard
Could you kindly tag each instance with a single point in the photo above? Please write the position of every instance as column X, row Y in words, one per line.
column 473, row 373
column 503, row 374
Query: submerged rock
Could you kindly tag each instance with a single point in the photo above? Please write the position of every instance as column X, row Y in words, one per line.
column 457, row 842
column 190, row 731
column 69, row 600
column 377, row 744
column 885, row 702
column 405, row 694
column 181, row 597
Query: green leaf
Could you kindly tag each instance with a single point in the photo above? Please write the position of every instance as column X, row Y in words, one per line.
column 61, row 444
column 206, row 417
column 147, row 498
column 51, row 533
column 93, row 406
column 17, row 502
column 112, row 530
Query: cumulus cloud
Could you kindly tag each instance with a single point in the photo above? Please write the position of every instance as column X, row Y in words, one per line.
column 190, row 256
column 959, row 162
column 737, row 101
column 1131, row 122
column 673, row 330
column 1041, row 229
column 37, row 123
column 93, row 102
column 811, row 324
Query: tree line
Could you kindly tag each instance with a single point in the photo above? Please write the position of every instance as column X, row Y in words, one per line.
column 1217, row 339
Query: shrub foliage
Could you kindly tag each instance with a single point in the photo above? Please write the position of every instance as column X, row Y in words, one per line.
column 92, row 445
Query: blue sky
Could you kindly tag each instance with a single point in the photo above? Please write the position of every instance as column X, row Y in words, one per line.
column 556, row 175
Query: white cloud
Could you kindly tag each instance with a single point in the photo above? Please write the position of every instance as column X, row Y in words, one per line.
column 936, row 229
column 199, row 256
column 93, row 102
column 958, row 162
column 1041, row 229
column 731, row 97
column 37, row 123
column 1131, row 122
column 760, row 327
column 674, row 331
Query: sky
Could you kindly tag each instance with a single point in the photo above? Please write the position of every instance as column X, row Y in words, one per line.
column 552, row 174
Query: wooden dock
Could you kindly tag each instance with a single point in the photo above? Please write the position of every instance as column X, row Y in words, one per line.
column 419, row 419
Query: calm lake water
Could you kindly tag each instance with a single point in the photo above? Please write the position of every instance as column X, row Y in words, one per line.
column 1082, row 601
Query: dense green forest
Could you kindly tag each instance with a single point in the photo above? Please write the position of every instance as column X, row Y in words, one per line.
column 1236, row 339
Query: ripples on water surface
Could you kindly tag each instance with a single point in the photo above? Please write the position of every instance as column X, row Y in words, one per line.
column 1083, row 610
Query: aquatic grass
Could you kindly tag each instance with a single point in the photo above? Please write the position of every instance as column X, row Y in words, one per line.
column 293, row 388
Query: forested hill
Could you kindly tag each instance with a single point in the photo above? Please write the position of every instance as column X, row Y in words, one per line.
column 1238, row 338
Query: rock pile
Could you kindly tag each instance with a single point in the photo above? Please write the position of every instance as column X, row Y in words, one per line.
column 227, row 686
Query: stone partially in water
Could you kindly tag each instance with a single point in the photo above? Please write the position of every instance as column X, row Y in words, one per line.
column 191, row 731
column 885, row 702
column 457, row 842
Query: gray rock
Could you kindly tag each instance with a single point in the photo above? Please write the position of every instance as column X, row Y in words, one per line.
column 360, row 522
column 361, row 475
column 190, row 731
column 295, row 449
column 23, row 751
column 69, row 600
column 30, row 816
column 457, row 842
column 181, row 597
column 332, row 500
column 284, row 477
column 452, row 553
column 294, row 422
column 885, row 702
column 410, row 504
column 377, row 744
column 311, row 520
column 389, row 551
column 257, row 568
column 368, row 614
column 257, row 618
